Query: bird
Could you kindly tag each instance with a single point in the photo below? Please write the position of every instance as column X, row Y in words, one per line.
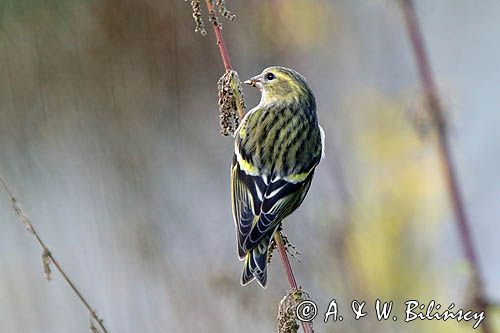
column 277, row 147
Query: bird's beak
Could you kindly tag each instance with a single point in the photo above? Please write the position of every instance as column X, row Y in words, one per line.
column 255, row 81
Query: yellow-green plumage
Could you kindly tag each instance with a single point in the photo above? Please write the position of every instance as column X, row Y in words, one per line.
column 277, row 147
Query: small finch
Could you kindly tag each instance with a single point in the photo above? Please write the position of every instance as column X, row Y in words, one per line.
column 277, row 146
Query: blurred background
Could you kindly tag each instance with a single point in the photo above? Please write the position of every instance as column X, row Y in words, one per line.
column 109, row 138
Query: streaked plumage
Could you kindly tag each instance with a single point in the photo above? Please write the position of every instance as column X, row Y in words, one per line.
column 277, row 147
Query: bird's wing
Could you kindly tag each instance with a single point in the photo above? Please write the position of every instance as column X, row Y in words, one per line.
column 260, row 204
column 279, row 200
column 246, row 199
column 259, row 201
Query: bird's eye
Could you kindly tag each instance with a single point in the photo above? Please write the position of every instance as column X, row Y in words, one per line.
column 270, row 76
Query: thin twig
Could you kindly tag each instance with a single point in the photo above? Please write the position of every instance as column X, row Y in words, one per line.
column 436, row 110
column 220, row 41
column 284, row 260
column 47, row 254
column 307, row 327
column 278, row 239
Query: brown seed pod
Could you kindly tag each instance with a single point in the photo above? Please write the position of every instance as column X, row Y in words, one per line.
column 287, row 319
column 230, row 102
column 198, row 19
column 221, row 5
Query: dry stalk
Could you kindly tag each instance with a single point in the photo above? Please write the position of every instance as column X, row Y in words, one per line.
column 48, row 258
column 449, row 170
column 287, row 311
column 236, row 99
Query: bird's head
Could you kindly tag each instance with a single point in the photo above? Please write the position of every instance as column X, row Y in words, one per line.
column 282, row 85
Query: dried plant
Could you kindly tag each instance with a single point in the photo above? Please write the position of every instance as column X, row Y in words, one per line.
column 212, row 18
column 287, row 321
column 287, row 311
column 93, row 329
column 289, row 247
column 231, row 97
column 48, row 258
column 198, row 19
column 439, row 122
column 46, row 263
column 221, row 5
column 231, row 102
column 212, row 15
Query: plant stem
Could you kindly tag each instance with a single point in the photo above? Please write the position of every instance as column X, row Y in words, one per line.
column 449, row 171
column 24, row 219
column 284, row 260
column 220, row 40
column 289, row 272
column 277, row 236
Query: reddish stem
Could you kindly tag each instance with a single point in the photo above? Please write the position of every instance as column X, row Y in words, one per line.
column 436, row 110
column 306, row 326
column 277, row 237
column 284, row 260
column 220, row 41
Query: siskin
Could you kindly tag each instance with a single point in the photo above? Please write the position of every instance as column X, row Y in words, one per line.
column 277, row 146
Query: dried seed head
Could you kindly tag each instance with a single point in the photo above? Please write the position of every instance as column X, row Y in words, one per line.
column 272, row 247
column 221, row 5
column 95, row 319
column 93, row 329
column 231, row 102
column 212, row 18
column 289, row 247
column 287, row 321
column 212, row 15
column 198, row 19
column 21, row 215
column 46, row 263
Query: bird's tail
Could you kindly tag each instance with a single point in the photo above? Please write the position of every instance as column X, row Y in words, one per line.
column 255, row 264
column 255, row 267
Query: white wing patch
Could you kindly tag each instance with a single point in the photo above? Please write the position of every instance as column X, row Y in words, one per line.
column 322, row 142
column 259, row 193
column 264, row 178
column 273, row 193
column 275, row 179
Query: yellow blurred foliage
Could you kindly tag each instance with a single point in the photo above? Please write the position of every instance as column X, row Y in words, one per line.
column 399, row 201
column 299, row 23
